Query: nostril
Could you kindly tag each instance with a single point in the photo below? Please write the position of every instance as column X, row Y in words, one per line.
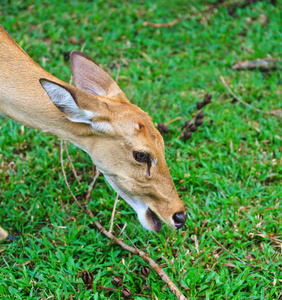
column 179, row 218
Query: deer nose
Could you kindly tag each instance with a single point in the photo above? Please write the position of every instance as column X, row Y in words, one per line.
column 179, row 219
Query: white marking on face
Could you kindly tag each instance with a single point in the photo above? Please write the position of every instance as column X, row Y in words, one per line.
column 155, row 161
column 139, row 207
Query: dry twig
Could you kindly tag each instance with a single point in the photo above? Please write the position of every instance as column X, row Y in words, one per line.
column 243, row 262
column 71, row 164
column 91, row 185
column 240, row 100
column 65, row 176
column 171, row 121
column 274, row 239
column 119, row 64
column 113, row 214
column 170, row 24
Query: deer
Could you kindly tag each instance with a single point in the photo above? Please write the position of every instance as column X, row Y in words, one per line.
column 95, row 115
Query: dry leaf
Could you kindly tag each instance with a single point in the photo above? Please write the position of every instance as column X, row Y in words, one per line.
column 230, row 265
column 262, row 64
column 72, row 39
column 276, row 112
column 262, row 19
column 25, row 263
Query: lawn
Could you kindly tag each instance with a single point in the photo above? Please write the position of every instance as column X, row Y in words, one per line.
column 228, row 174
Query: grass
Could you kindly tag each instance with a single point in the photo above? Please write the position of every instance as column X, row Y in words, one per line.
column 229, row 174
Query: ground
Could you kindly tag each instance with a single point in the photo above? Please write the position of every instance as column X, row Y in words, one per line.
column 228, row 174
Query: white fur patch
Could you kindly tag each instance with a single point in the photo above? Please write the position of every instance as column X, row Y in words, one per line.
column 65, row 102
column 102, row 127
column 139, row 207
column 155, row 161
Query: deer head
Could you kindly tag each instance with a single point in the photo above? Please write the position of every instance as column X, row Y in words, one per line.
column 121, row 140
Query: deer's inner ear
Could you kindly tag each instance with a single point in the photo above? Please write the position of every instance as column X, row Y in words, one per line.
column 66, row 103
column 88, row 76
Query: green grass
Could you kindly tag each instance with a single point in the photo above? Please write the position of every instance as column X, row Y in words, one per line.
column 229, row 174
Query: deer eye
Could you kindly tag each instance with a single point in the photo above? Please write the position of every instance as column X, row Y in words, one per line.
column 141, row 156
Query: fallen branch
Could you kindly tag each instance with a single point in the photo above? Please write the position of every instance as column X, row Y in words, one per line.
column 173, row 288
column 240, row 100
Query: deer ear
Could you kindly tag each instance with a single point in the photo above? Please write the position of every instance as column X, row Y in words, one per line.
column 62, row 98
column 89, row 77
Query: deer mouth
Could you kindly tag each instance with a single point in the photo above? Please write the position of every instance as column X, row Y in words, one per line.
column 153, row 219
column 146, row 216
